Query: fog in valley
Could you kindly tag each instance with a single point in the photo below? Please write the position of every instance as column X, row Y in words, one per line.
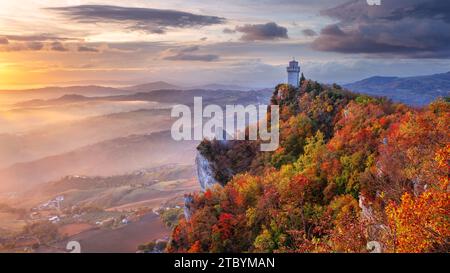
column 89, row 157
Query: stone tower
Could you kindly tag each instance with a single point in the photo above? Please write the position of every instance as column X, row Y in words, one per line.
column 293, row 71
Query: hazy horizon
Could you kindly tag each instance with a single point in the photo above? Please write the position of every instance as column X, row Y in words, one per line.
column 127, row 84
column 236, row 42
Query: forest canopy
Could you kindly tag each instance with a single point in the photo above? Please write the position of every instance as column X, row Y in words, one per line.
column 350, row 169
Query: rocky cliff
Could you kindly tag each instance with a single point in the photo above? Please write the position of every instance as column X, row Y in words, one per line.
column 205, row 173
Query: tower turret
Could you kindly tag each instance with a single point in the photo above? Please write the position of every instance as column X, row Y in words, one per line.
column 293, row 71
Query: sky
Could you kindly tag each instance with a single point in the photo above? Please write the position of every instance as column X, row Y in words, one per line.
column 195, row 42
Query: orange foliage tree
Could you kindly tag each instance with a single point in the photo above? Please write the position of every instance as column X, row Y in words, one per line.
column 421, row 224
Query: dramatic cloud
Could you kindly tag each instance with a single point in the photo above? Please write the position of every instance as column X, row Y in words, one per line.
column 186, row 54
column 229, row 31
column 392, row 10
column 400, row 28
column 145, row 19
column 87, row 49
column 193, row 57
column 309, row 32
column 41, row 42
column 34, row 42
column 190, row 49
column 36, row 38
column 35, row 45
column 31, row 46
column 258, row 32
column 58, row 46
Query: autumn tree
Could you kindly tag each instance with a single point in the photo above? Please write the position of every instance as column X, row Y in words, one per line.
column 421, row 223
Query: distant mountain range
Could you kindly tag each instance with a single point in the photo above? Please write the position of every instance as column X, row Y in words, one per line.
column 98, row 90
column 160, row 85
column 67, row 94
column 215, row 86
column 419, row 90
column 162, row 96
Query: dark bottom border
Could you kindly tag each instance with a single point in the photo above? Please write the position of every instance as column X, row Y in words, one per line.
column 223, row 262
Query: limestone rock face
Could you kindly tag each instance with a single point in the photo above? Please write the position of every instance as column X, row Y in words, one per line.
column 205, row 173
column 366, row 210
column 188, row 198
column 374, row 227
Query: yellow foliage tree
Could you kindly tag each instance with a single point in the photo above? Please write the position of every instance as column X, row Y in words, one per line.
column 422, row 223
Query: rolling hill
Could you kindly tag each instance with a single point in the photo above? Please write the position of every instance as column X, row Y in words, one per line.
column 66, row 136
column 160, row 85
column 110, row 157
column 419, row 90
column 173, row 96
